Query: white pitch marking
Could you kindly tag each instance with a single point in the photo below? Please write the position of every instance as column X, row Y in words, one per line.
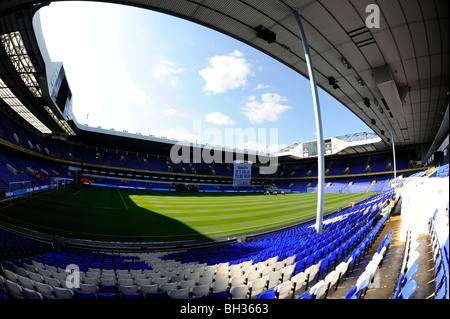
column 122, row 199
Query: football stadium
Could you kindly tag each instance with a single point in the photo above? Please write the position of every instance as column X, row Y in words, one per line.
column 88, row 212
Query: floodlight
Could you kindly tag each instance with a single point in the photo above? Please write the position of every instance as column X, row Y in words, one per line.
column 346, row 63
column 265, row 34
column 333, row 82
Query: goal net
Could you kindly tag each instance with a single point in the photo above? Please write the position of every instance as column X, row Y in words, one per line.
column 20, row 189
column 60, row 182
column 17, row 191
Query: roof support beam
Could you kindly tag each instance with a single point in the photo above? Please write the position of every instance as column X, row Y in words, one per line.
column 319, row 133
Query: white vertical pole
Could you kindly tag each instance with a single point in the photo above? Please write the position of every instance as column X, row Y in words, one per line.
column 393, row 152
column 320, row 147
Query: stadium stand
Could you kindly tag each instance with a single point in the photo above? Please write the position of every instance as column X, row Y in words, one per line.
column 344, row 261
column 94, row 156
column 226, row 267
column 295, row 263
column 440, row 256
column 442, row 171
column 409, row 268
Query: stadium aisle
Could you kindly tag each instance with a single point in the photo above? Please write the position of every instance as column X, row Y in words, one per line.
column 389, row 270
column 424, row 277
column 387, row 277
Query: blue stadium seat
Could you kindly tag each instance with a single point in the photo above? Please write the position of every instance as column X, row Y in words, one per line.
column 219, row 294
column 102, row 295
column 351, row 292
column 84, row 295
column 408, row 289
column 198, row 297
column 411, row 272
column 305, row 296
column 107, row 288
column 156, row 295
column 361, row 289
column 138, row 295
column 398, row 286
column 51, row 297
column 268, row 294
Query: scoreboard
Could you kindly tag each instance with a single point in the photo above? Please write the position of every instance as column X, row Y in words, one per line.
column 332, row 145
column 61, row 94
column 310, row 148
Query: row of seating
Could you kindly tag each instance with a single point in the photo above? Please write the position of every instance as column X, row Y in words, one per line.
column 169, row 270
column 321, row 289
column 16, row 291
column 404, row 289
column 406, row 285
column 359, row 289
column 14, row 246
column 85, row 259
column 441, row 259
column 442, row 171
column 257, row 277
column 24, row 288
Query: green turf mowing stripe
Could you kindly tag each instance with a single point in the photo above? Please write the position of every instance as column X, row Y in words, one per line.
column 101, row 213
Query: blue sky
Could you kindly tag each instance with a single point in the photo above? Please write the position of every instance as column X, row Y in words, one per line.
column 142, row 71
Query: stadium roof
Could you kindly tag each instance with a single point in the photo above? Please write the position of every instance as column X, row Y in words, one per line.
column 353, row 144
column 364, row 143
column 357, row 137
column 364, row 136
column 394, row 75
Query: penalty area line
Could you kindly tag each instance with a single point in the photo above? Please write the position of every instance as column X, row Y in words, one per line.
column 79, row 191
column 120, row 194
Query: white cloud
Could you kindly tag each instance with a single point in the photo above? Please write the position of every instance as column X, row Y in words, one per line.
column 269, row 109
column 261, row 86
column 218, row 119
column 166, row 69
column 225, row 72
column 170, row 111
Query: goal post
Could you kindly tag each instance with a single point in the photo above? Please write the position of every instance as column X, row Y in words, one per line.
column 22, row 188
column 60, row 182
column 273, row 190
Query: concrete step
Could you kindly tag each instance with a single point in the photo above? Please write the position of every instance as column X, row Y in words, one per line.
column 385, row 280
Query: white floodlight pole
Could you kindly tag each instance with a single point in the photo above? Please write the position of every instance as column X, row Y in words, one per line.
column 393, row 152
column 320, row 148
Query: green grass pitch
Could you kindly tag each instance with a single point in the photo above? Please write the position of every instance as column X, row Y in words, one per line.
column 124, row 215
